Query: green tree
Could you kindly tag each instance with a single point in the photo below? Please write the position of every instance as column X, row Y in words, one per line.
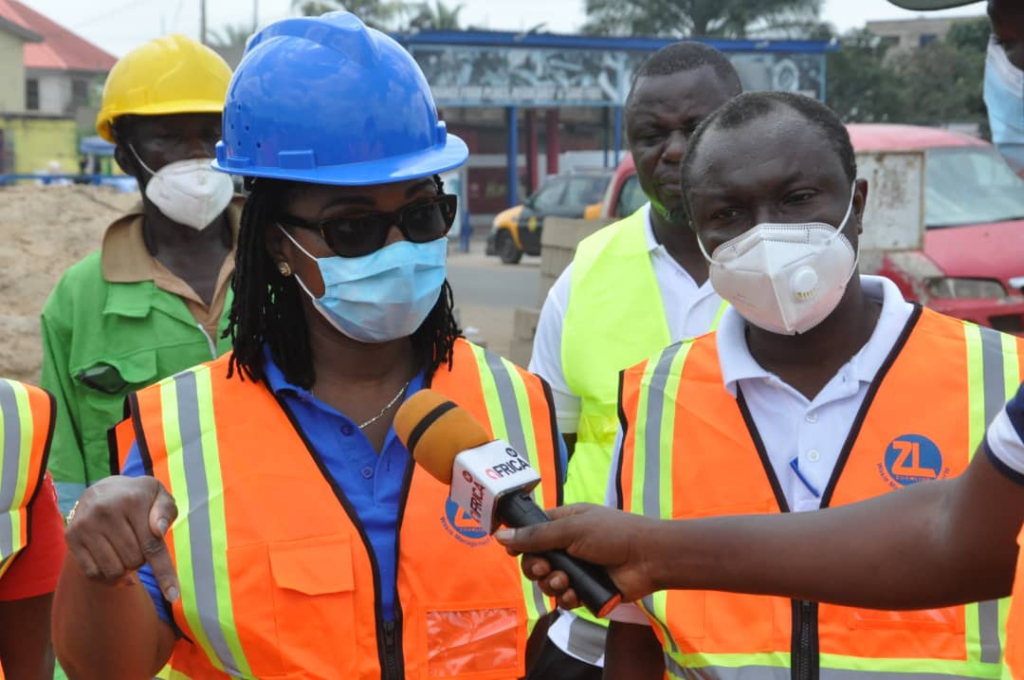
column 229, row 42
column 972, row 36
column 943, row 83
column 937, row 84
column 695, row 18
column 862, row 87
column 379, row 14
column 229, row 37
column 434, row 17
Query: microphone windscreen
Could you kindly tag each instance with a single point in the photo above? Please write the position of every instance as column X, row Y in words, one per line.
column 435, row 429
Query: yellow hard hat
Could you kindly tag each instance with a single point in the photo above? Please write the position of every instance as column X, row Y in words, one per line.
column 167, row 75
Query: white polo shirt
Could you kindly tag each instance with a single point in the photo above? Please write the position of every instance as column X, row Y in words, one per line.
column 802, row 437
column 689, row 308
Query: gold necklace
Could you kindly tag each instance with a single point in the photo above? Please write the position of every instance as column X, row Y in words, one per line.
column 387, row 408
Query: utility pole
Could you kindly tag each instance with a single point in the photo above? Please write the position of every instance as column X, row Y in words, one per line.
column 202, row 21
column 255, row 15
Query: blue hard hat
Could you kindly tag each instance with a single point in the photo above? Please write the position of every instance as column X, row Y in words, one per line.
column 328, row 100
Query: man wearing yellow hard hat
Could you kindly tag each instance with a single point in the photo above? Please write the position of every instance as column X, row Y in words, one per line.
column 152, row 300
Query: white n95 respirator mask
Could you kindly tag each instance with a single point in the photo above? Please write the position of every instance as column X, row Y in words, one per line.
column 785, row 278
column 189, row 192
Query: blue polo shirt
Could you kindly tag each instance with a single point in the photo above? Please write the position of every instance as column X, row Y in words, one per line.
column 372, row 483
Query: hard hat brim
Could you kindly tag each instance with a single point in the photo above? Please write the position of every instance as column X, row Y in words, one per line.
column 926, row 5
column 384, row 171
column 106, row 118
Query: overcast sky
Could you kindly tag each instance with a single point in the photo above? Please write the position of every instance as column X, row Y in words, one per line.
column 119, row 25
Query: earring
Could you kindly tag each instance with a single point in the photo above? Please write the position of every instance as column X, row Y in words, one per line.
column 284, row 268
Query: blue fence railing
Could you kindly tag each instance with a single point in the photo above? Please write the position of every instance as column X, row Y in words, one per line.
column 75, row 179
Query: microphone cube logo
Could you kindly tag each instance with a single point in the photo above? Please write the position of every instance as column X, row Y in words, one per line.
column 502, row 470
column 483, row 475
column 476, row 501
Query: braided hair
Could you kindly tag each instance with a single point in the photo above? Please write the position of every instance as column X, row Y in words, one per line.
column 267, row 307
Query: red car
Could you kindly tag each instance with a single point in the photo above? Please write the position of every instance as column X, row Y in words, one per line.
column 972, row 266
column 973, row 263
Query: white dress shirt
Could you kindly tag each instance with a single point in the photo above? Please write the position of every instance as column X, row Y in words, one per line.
column 799, row 434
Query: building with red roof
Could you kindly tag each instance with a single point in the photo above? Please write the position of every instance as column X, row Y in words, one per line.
column 13, row 37
column 64, row 73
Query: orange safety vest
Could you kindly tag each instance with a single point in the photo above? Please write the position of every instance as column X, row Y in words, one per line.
column 26, row 430
column 278, row 579
column 690, row 449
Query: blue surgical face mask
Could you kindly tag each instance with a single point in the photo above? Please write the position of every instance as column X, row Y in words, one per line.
column 383, row 296
column 1004, row 97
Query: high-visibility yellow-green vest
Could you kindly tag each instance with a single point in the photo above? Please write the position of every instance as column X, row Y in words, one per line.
column 615, row 319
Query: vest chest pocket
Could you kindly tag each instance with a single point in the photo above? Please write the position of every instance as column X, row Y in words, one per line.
column 947, row 619
column 314, row 606
column 485, row 641
column 711, row 621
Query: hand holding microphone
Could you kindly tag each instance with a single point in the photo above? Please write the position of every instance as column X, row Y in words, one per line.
column 491, row 481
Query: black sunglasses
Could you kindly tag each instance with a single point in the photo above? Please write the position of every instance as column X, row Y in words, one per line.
column 419, row 222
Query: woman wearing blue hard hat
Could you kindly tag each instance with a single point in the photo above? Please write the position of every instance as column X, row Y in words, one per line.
column 265, row 506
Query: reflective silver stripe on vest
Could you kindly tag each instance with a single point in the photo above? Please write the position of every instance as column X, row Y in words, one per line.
column 586, row 640
column 516, row 436
column 993, row 373
column 9, row 464
column 652, row 456
column 200, row 541
column 652, row 432
column 840, row 674
column 726, row 673
column 776, row 673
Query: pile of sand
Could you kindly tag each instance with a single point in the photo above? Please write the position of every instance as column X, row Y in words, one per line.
column 45, row 230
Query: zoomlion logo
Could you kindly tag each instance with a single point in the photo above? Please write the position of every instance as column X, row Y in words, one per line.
column 910, row 459
column 462, row 527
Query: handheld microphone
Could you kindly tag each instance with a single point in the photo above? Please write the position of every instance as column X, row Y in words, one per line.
column 491, row 481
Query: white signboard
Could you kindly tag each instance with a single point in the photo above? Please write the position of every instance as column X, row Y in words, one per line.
column 894, row 216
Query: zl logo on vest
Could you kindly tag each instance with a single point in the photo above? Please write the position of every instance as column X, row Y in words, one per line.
column 910, row 459
column 462, row 527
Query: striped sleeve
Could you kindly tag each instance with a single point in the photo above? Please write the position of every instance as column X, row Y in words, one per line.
column 1004, row 441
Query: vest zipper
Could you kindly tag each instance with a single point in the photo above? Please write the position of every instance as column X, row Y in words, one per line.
column 389, row 632
column 393, row 653
column 805, row 640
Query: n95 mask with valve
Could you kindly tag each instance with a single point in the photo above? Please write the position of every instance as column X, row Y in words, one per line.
column 785, row 278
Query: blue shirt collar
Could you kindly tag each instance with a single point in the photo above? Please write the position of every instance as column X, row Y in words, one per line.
column 280, row 386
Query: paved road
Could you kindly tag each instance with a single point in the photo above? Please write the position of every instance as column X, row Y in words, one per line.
column 480, row 280
column 487, row 294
